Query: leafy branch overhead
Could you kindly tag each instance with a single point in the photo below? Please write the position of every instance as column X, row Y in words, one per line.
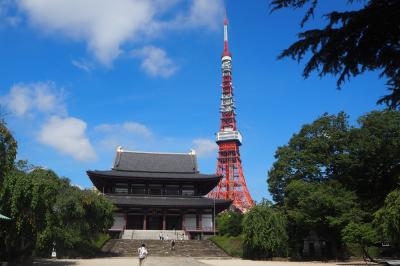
column 352, row 42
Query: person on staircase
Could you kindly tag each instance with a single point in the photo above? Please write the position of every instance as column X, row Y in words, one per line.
column 142, row 252
column 172, row 245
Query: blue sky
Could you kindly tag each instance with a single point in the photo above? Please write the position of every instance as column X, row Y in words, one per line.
column 78, row 78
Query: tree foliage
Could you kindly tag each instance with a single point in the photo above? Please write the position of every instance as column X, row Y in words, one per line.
column 375, row 158
column 387, row 220
column 321, row 207
column 318, row 152
column 8, row 150
column 45, row 209
column 27, row 199
column 362, row 234
column 230, row 223
column 364, row 159
column 351, row 42
column 264, row 230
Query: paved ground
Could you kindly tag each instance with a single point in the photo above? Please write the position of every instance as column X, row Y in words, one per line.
column 179, row 261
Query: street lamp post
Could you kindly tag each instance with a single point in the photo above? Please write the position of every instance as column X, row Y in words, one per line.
column 214, row 217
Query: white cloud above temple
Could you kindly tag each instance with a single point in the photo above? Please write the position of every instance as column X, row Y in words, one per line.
column 42, row 106
column 205, row 147
column 27, row 98
column 67, row 136
column 126, row 127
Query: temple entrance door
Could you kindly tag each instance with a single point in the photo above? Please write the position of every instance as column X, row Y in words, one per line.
column 154, row 222
column 173, row 222
column 134, row 222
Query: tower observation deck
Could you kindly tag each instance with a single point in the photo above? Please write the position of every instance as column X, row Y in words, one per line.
column 233, row 184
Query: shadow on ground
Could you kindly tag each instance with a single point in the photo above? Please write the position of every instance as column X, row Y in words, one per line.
column 49, row 262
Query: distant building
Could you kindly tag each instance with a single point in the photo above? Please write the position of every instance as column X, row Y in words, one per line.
column 159, row 191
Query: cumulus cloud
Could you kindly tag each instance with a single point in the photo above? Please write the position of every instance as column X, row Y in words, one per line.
column 24, row 98
column 127, row 127
column 67, row 136
column 131, row 135
column 103, row 24
column 205, row 147
column 107, row 25
column 155, row 62
column 205, row 13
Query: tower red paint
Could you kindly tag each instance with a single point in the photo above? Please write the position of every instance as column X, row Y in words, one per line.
column 233, row 184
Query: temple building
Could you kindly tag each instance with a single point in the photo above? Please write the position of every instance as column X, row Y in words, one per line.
column 159, row 191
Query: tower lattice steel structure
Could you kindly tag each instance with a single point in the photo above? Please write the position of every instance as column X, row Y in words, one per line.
column 233, row 184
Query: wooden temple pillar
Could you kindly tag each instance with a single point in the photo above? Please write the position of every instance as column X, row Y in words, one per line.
column 183, row 221
column 199, row 221
column 145, row 221
column 164, row 221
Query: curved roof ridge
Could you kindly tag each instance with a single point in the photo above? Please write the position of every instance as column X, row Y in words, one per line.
column 191, row 152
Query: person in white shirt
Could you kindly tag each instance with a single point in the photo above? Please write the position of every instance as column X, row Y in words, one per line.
column 142, row 252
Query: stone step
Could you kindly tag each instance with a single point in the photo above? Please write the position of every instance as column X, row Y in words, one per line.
column 154, row 234
column 184, row 248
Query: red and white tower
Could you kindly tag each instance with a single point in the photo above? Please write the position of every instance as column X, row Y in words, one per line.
column 233, row 185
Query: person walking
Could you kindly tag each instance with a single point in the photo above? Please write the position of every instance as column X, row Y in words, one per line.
column 172, row 245
column 142, row 252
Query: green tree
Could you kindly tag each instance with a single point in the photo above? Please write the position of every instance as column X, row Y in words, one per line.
column 375, row 158
column 27, row 198
column 264, row 230
column 362, row 234
column 80, row 215
column 321, row 207
column 46, row 209
column 230, row 223
column 8, row 150
column 364, row 159
column 387, row 220
column 318, row 152
column 352, row 42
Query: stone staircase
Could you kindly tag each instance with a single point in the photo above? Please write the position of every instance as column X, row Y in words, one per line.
column 154, row 234
column 158, row 248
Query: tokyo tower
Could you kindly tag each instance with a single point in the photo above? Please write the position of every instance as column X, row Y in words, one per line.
column 233, row 184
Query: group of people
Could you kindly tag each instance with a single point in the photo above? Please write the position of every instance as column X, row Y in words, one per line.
column 178, row 236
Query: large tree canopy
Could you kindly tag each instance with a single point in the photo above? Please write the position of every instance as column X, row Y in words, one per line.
column 364, row 159
column 351, row 42
column 324, row 208
column 45, row 210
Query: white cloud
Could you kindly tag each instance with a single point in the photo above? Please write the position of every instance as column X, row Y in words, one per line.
column 155, row 62
column 83, row 65
column 206, row 13
column 103, row 24
column 67, row 136
column 106, row 25
column 205, row 147
column 23, row 98
column 128, row 134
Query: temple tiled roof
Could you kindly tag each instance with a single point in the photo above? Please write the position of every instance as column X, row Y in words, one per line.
column 155, row 162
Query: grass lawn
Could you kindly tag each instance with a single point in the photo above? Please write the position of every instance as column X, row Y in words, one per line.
column 233, row 245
